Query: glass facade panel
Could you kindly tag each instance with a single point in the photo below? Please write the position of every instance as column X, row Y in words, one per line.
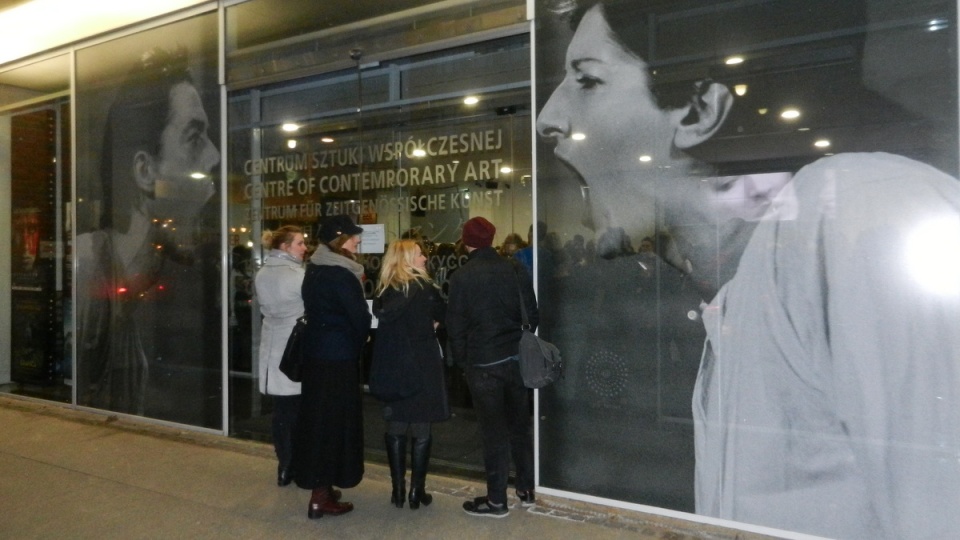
column 35, row 134
column 39, row 264
column 403, row 166
column 339, row 95
column 148, row 240
column 270, row 40
column 751, row 221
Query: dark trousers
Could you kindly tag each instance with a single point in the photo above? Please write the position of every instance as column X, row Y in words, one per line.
column 503, row 411
column 285, row 412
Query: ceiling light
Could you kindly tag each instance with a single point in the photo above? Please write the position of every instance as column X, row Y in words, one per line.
column 762, row 111
column 198, row 176
column 327, row 140
column 733, row 60
column 419, row 152
column 790, row 114
column 506, row 170
column 290, row 127
column 740, row 89
column 822, row 143
column 471, row 100
column 645, row 158
column 578, row 136
column 937, row 24
column 291, row 144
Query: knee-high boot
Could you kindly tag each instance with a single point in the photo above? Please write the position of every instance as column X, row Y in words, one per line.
column 420, row 460
column 397, row 456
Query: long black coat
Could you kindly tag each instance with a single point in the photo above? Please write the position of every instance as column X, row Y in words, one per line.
column 328, row 440
column 406, row 328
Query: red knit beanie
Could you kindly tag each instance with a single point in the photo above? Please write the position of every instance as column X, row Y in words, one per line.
column 478, row 232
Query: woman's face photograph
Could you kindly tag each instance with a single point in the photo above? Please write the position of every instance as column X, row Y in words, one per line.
column 603, row 118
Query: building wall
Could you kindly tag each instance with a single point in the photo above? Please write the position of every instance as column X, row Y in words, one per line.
column 814, row 254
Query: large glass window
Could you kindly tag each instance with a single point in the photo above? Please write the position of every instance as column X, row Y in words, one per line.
column 759, row 307
column 35, row 182
column 148, row 225
column 400, row 148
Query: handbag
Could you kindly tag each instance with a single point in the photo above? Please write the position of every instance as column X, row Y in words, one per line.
column 540, row 361
column 291, row 363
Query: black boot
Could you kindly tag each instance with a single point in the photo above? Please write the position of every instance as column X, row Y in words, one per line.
column 420, row 459
column 397, row 456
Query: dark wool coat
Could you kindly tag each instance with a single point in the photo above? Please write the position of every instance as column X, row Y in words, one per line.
column 328, row 440
column 483, row 313
column 406, row 331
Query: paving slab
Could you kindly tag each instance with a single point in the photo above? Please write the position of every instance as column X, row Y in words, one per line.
column 68, row 473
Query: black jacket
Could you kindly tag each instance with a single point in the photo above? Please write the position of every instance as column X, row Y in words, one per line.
column 406, row 340
column 337, row 313
column 483, row 312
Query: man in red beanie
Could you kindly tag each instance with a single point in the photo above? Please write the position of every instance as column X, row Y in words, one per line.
column 483, row 328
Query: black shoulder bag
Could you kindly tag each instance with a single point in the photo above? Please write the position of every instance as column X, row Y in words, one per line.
column 291, row 363
column 540, row 362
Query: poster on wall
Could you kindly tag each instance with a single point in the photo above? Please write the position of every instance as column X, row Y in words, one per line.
column 757, row 282
column 147, row 244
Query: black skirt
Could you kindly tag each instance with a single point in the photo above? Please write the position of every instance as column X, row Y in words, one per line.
column 328, row 442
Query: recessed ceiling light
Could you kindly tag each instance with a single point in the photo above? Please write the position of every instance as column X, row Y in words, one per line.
column 326, row 139
column 506, row 170
column 762, row 111
column 790, row 114
column 471, row 100
column 733, row 60
column 578, row 136
column 290, row 127
column 740, row 89
column 822, row 143
column 292, row 143
column 419, row 152
column 645, row 158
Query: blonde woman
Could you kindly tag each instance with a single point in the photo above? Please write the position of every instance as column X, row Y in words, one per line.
column 278, row 285
column 407, row 355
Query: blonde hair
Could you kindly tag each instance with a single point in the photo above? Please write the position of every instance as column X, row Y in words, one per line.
column 279, row 237
column 398, row 270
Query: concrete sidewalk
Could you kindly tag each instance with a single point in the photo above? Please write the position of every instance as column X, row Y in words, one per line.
column 74, row 474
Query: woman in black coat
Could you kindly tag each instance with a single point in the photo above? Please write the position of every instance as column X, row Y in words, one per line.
column 407, row 368
column 328, row 442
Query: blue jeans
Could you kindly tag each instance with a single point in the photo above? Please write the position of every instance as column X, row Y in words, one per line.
column 503, row 411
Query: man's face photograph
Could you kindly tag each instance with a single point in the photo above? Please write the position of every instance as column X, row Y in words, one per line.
column 187, row 157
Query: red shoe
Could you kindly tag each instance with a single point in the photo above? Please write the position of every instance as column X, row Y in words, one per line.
column 323, row 501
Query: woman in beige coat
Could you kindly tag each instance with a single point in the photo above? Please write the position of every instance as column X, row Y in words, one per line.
column 278, row 293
